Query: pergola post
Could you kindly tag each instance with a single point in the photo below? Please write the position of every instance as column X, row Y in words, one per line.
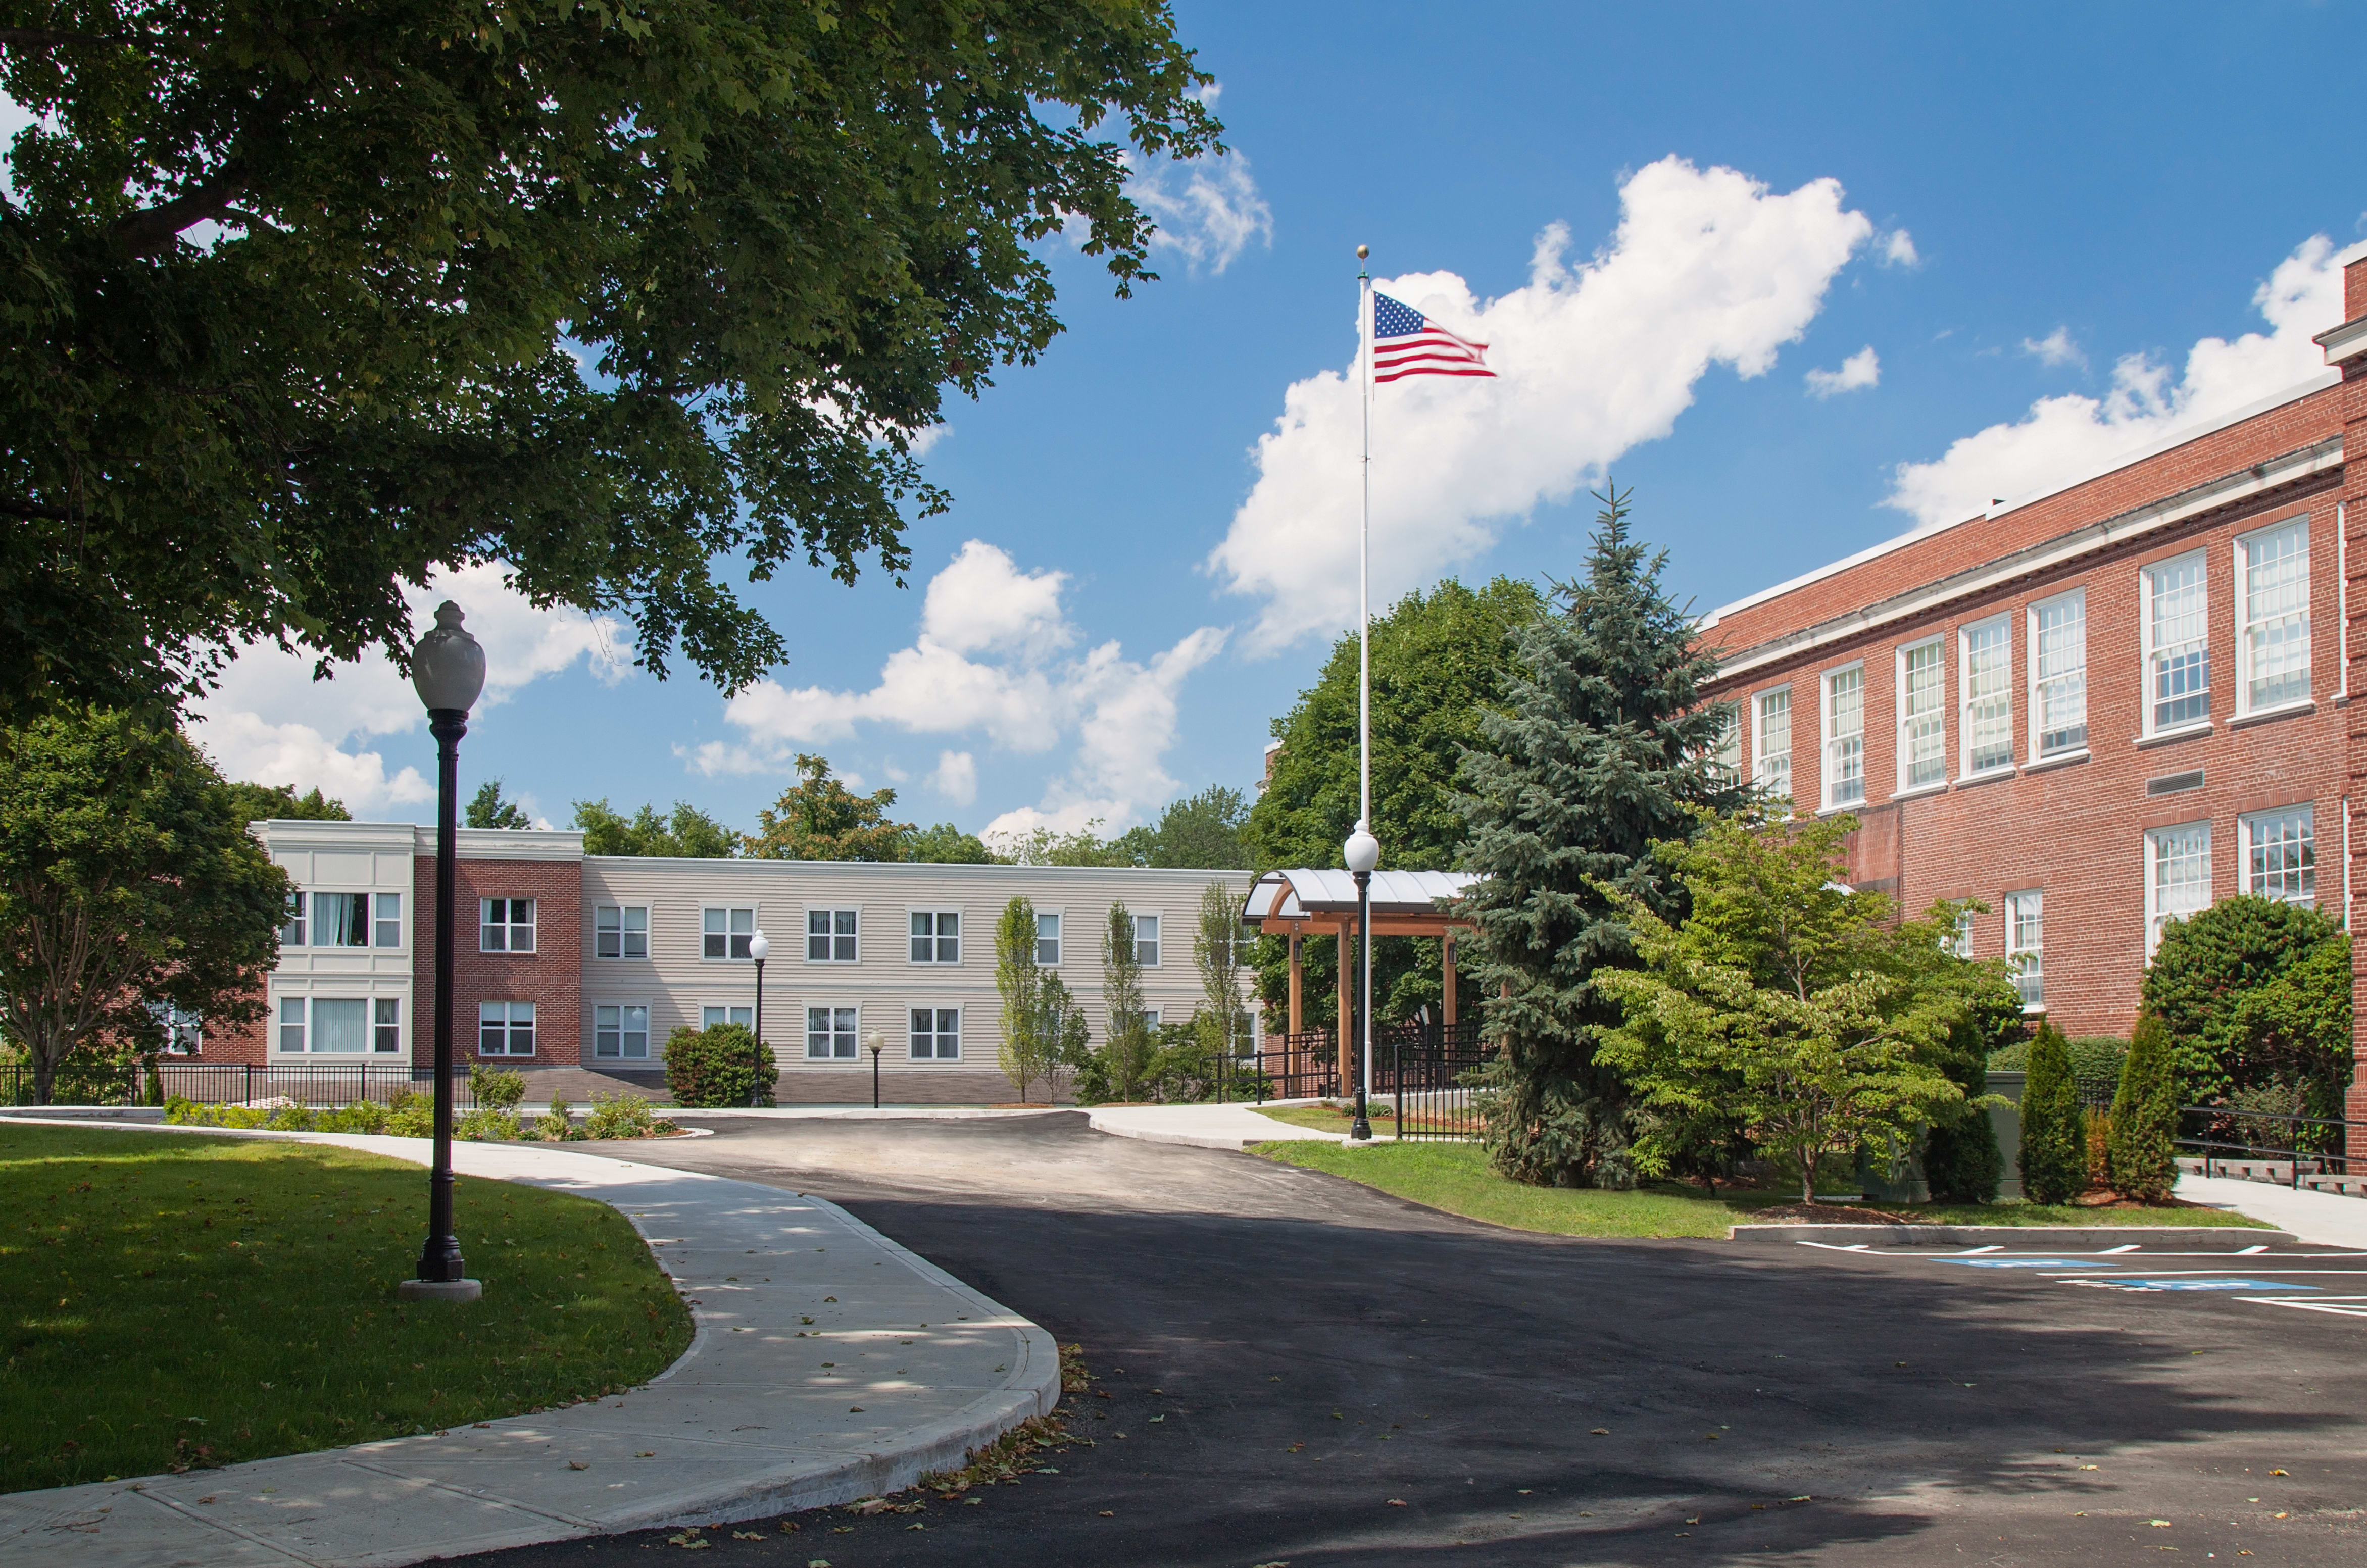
column 1297, row 975
column 1347, row 1011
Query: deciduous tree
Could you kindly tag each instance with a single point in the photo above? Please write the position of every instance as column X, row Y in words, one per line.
column 1019, row 982
column 820, row 819
column 489, row 808
column 685, row 833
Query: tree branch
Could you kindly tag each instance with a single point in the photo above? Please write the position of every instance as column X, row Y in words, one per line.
column 151, row 230
column 48, row 38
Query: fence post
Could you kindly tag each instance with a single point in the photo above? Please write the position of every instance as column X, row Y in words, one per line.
column 1396, row 1083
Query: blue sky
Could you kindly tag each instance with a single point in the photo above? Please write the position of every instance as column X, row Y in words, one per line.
column 2003, row 205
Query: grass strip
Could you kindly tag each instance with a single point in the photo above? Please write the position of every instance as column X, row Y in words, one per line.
column 176, row 1301
column 1455, row 1178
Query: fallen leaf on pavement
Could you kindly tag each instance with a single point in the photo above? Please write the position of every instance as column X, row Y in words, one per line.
column 577, row 1464
column 1601, row 1432
column 2158, row 1524
column 1397, row 1502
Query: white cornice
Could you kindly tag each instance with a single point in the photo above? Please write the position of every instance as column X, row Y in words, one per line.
column 2348, row 341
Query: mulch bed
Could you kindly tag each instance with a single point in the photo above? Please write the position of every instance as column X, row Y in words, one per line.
column 1826, row 1215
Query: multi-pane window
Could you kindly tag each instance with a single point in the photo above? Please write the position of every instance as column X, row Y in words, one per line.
column 1771, row 743
column 388, row 925
column 621, row 1033
column 829, row 936
column 1988, row 678
column 2272, row 568
column 725, row 934
column 340, row 1025
column 184, row 1033
column 937, row 936
column 506, row 925
column 830, row 1034
column 340, row 919
column 937, row 1034
column 386, row 1025
column 620, row 931
column 2279, row 860
column 1958, row 938
column 2178, row 876
column 2059, row 674
column 291, row 929
column 2025, row 947
column 1922, row 730
column 291, row 1023
column 1048, row 939
column 2177, row 644
column 505, row 1028
column 723, row 1012
column 1845, row 735
column 1146, row 941
column 1725, row 752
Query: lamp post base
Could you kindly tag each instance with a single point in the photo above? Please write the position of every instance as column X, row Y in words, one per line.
column 439, row 1290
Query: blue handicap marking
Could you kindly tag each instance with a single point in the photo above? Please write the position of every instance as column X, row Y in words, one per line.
column 2124, row 1283
column 2025, row 1262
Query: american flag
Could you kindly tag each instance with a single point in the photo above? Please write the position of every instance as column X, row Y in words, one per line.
column 1407, row 343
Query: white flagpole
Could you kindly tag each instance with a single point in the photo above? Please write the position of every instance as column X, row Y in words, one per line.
column 1365, row 680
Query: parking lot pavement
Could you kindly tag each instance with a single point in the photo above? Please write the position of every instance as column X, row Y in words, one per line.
column 1306, row 1371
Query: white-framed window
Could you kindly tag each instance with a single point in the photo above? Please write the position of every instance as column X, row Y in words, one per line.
column 2058, row 675
column 292, row 928
column 831, row 936
column 2279, row 857
column 620, row 931
column 1986, row 682
column 387, row 927
column 1146, row 941
column 2178, row 876
column 937, row 1034
column 1725, row 752
column 337, row 1026
column 1844, row 710
column 714, row 1013
column 386, row 1025
column 937, row 936
column 2025, row 947
column 1771, row 743
column 1957, row 940
column 291, row 1024
column 2177, row 644
column 830, row 1034
column 340, row 919
column 1048, row 939
column 1923, row 724
column 505, row 1028
column 506, row 925
column 724, row 933
column 2272, row 604
column 620, row 1031
column 1150, row 1017
column 185, row 1031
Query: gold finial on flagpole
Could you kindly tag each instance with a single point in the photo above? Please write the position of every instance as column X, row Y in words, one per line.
column 1362, row 252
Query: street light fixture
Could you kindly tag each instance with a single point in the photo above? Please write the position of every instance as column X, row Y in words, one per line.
column 447, row 670
column 759, row 948
column 878, row 1044
column 1363, row 852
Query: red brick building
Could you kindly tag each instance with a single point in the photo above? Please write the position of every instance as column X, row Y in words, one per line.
column 2098, row 709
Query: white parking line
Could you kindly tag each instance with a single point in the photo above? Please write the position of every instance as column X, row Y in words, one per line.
column 2339, row 1306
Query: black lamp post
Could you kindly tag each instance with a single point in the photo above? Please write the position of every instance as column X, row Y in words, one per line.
column 1363, row 852
column 448, row 668
column 876, row 1045
column 760, row 947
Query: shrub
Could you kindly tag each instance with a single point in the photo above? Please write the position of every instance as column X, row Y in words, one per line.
column 496, row 1089
column 2144, row 1117
column 2095, row 1058
column 623, row 1116
column 2209, row 964
column 484, row 1125
column 410, row 1114
column 361, row 1116
column 2054, row 1162
column 556, row 1125
column 722, row 1064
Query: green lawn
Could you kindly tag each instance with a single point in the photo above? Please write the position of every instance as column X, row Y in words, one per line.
column 170, row 1301
column 1330, row 1118
column 1455, row 1178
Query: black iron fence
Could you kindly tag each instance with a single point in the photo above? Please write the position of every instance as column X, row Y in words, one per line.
column 2297, row 1148
column 1424, row 1072
column 232, row 1083
column 1305, row 1065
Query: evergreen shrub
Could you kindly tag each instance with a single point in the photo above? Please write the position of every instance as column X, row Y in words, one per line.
column 2144, row 1117
column 2054, row 1157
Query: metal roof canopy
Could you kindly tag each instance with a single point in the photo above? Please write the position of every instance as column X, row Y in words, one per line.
column 1405, row 903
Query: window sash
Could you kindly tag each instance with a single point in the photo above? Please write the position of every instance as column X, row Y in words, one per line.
column 505, row 1028
column 340, row 919
column 935, row 1034
column 830, row 1034
column 2281, row 855
column 2178, row 650
column 2275, row 567
column 387, row 931
column 1146, row 941
column 620, row 931
column 2026, row 945
column 1725, row 752
column 1845, row 736
column 291, row 1025
column 1771, row 743
column 341, row 1026
column 2178, row 876
column 937, row 936
column 1987, row 680
column 709, row 1017
column 387, row 1025
column 724, row 932
column 1048, row 939
column 291, row 930
column 2058, row 666
column 1922, row 728
column 831, row 936
column 620, row 1032
column 506, row 925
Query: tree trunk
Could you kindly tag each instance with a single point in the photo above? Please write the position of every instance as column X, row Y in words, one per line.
column 1807, row 1179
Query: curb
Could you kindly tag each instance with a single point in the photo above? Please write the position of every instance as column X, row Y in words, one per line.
column 1284, row 1131
column 2199, row 1238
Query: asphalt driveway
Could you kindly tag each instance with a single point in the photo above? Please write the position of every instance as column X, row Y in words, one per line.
column 1301, row 1371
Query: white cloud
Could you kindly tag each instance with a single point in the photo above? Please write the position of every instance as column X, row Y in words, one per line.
column 2061, row 440
column 1706, row 267
column 2054, row 348
column 271, row 722
column 1208, row 210
column 1862, row 368
column 1898, row 249
column 992, row 659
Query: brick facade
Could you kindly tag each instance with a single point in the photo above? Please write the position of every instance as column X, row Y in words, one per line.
column 550, row 977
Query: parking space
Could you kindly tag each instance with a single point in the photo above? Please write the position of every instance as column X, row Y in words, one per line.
column 2281, row 1273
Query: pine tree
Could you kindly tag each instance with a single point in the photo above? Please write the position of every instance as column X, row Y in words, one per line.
column 2143, row 1155
column 1602, row 746
column 2054, row 1134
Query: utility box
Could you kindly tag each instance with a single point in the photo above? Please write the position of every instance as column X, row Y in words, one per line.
column 2006, row 1122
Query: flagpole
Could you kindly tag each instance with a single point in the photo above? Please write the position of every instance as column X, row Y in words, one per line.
column 1362, row 1129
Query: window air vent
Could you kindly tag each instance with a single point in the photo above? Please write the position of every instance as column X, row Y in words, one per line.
column 2175, row 784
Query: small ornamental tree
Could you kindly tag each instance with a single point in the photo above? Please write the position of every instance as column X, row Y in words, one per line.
column 2053, row 1134
column 2143, row 1152
column 1060, row 1027
column 719, row 1066
column 1218, row 946
column 1126, row 1057
column 2207, row 965
column 1020, row 983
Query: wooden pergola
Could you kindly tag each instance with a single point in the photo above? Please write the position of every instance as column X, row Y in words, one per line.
column 1299, row 904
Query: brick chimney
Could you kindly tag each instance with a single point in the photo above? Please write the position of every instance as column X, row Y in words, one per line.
column 2354, row 289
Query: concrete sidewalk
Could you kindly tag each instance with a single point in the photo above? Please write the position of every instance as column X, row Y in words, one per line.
column 747, row 1424
column 2324, row 1219
column 1201, row 1126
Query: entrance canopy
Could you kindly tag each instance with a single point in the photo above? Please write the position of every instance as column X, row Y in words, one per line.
column 1405, row 903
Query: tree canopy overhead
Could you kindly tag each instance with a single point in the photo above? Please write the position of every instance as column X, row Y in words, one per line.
column 302, row 303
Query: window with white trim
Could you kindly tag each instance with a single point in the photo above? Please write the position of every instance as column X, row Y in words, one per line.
column 1725, row 752
column 185, row 1031
column 340, row 919
column 2025, row 947
column 1048, row 939
column 2272, row 591
column 1923, row 725
column 1770, row 738
column 830, row 1034
column 1957, row 940
column 2058, row 675
column 831, row 936
column 1987, row 685
column 620, row 1031
column 2177, row 644
column 620, row 931
column 386, row 1025
column 1845, row 735
column 387, row 927
column 337, row 1026
column 291, row 927
column 1146, row 941
column 724, row 933
column 937, row 1034
column 724, row 1012
column 505, row 1029
column 2178, row 876
column 2279, row 857
column 937, row 936
column 506, row 925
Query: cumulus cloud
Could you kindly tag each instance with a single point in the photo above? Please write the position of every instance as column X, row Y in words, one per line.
column 271, row 722
column 996, row 656
column 2062, row 440
column 1707, row 267
column 1208, row 210
column 1898, row 249
column 1862, row 368
column 2054, row 348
